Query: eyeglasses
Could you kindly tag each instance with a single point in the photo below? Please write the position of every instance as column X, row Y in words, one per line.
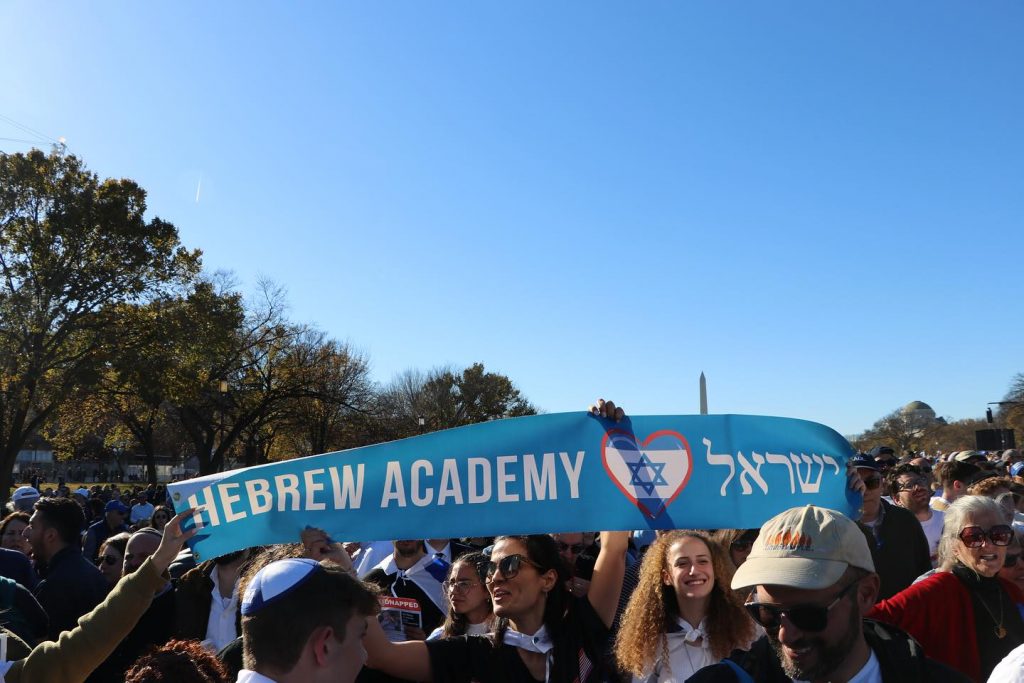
column 1011, row 560
column 108, row 560
column 872, row 483
column 974, row 536
column 912, row 484
column 810, row 618
column 509, row 566
column 741, row 546
column 460, row 586
column 575, row 548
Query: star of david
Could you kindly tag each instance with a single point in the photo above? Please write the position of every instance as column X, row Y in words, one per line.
column 656, row 468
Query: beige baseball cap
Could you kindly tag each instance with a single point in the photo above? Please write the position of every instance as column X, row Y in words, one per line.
column 807, row 547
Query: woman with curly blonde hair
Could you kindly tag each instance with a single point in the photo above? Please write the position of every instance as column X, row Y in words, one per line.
column 683, row 616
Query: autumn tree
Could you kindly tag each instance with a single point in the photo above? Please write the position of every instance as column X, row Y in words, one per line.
column 72, row 249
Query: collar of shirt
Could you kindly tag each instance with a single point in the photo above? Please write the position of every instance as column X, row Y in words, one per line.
column 246, row 676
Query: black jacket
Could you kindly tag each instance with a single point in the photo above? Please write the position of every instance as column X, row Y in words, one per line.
column 900, row 551
column 70, row 586
column 899, row 657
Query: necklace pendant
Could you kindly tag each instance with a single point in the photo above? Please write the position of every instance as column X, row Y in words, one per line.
column 1000, row 632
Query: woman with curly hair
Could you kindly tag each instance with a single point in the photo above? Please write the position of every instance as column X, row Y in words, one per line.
column 683, row 616
column 469, row 603
column 179, row 661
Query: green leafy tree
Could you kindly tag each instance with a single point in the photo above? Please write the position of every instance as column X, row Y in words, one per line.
column 72, row 248
column 446, row 398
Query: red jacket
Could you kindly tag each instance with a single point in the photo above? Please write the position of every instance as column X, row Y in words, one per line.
column 939, row 614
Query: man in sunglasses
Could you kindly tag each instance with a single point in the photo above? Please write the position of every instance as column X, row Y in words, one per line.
column 810, row 579
column 909, row 489
column 578, row 552
column 899, row 548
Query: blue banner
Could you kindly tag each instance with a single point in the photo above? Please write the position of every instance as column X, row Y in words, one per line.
column 546, row 473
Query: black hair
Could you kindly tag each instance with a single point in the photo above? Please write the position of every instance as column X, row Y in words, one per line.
column 892, row 478
column 64, row 515
column 543, row 552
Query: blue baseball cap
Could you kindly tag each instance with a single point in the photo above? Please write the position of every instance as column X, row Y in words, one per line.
column 277, row 580
column 115, row 506
column 864, row 461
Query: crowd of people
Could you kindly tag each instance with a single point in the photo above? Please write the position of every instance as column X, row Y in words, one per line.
column 927, row 585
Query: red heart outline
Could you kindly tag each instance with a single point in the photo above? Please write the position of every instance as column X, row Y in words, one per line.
column 664, row 432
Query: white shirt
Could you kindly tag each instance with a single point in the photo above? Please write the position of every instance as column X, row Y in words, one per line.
column 933, row 530
column 481, row 629
column 220, row 628
column 445, row 553
column 141, row 511
column 246, row 676
column 1011, row 669
column 871, row 672
column 369, row 556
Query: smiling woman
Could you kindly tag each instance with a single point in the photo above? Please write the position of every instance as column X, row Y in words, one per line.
column 683, row 616
column 966, row 617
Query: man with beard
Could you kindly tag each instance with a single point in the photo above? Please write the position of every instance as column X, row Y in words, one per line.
column 412, row 601
column 810, row 577
column 413, row 574
column 909, row 489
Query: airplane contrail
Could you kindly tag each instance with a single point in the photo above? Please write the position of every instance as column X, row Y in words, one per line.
column 199, row 187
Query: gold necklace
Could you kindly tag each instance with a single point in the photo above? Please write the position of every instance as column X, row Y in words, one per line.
column 999, row 630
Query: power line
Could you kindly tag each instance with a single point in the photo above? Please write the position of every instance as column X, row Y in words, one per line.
column 31, row 131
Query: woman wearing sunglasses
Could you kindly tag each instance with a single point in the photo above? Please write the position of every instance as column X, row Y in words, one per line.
column 541, row 632
column 111, row 559
column 469, row 603
column 683, row 616
column 967, row 617
column 161, row 515
column 738, row 542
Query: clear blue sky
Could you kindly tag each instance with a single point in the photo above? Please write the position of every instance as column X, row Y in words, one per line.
column 817, row 204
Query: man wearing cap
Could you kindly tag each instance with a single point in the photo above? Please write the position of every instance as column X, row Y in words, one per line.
column 23, row 498
column 899, row 548
column 304, row 621
column 70, row 585
column 810, row 578
column 114, row 513
column 884, row 456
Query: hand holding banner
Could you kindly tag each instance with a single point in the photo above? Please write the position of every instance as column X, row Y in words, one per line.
column 539, row 474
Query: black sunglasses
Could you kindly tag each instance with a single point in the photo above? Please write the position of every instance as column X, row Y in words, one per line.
column 872, row 483
column 974, row 536
column 509, row 566
column 810, row 618
column 575, row 548
column 108, row 560
column 1011, row 560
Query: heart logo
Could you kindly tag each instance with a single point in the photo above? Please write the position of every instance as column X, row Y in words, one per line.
column 652, row 474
